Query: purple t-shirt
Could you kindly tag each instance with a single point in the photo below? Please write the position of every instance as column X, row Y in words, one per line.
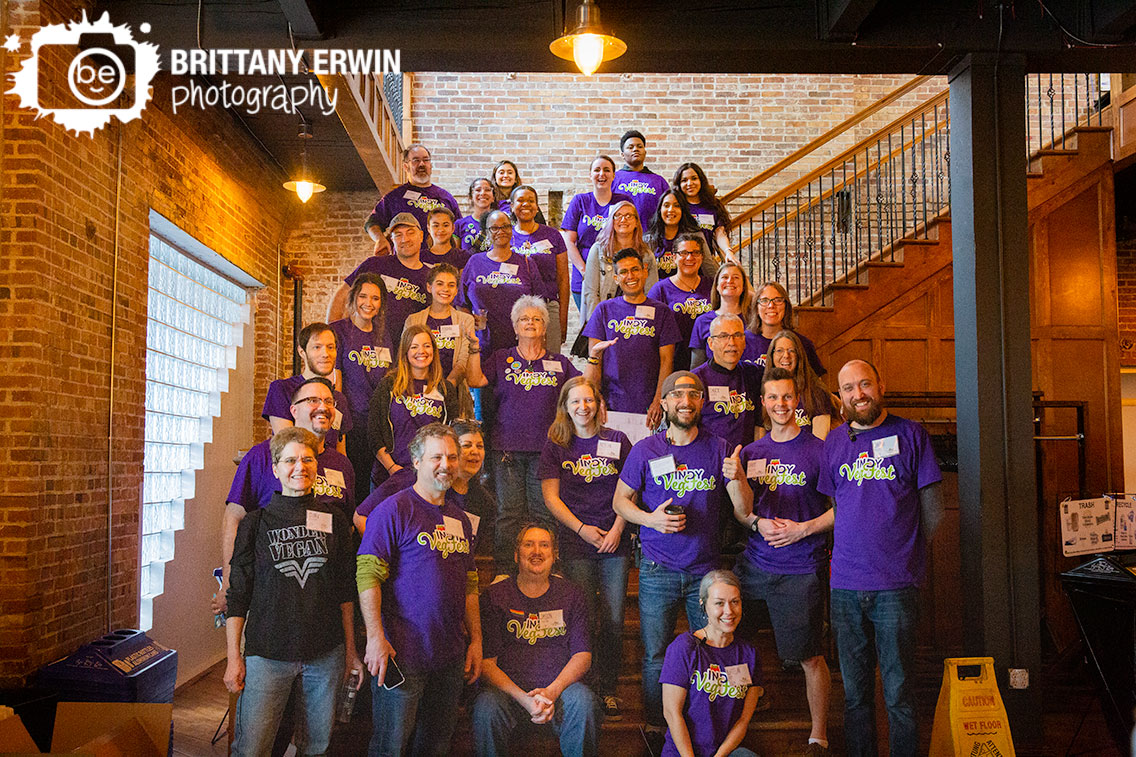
column 587, row 483
column 403, row 478
column 408, row 413
column 665, row 257
column 542, row 247
column 526, row 394
column 631, row 365
column 363, row 358
column 713, row 702
column 586, row 217
column 686, row 306
column 254, row 483
column 494, row 287
column 446, row 343
column 646, row 189
column 430, row 553
column 695, row 483
column 785, row 486
column 708, row 219
column 699, row 340
column 456, row 256
column 878, row 543
column 762, row 344
column 468, row 228
column 533, row 638
column 278, row 404
column 419, row 201
column 406, row 289
column 731, row 407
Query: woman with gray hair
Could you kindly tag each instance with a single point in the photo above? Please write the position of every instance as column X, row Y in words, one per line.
column 526, row 382
column 709, row 677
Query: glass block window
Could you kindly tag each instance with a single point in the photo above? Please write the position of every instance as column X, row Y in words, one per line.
column 195, row 319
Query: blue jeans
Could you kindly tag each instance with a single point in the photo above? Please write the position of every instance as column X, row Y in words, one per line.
column 519, row 499
column 575, row 722
column 267, row 686
column 873, row 626
column 418, row 717
column 604, row 582
column 661, row 591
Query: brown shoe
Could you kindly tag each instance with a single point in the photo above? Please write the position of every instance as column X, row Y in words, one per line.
column 816, row 750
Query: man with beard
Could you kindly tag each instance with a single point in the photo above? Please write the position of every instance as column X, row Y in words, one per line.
column 418, row 196
column 318, row 349
column 881, row 472
column 418, row 593
column 672, row 486
column 733, row 387
column 312, row 408
column 537, row 648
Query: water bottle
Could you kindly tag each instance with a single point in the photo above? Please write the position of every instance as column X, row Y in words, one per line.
column 347, row 701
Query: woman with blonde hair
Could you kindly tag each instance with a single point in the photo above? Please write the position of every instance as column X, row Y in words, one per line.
column 578, row 469
column 622, row 231
column 730, row 295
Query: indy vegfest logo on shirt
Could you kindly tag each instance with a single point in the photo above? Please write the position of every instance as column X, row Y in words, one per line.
column 631, row 326
column 635, row 187
column 323, row 488
column 803, row 418
column 425, row 204
column 737, row 404
column 682, row 480
column 520, row 375
column 404, row 290
column 444, row 342
column 301, row 552
column 369, row 358
column 692, row 307
column 527, row 627
column 419, row 404
column 596, row 222
column 441, row 540
column 778, row 473
column 714, row 682
column 590, row 468
column 867, row 468
column 499, row 278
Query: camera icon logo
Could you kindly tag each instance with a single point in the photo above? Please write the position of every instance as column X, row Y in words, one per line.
column 85, row 74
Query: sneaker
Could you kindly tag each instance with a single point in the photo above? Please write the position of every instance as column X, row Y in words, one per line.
column 816, row 750
column 611, row 708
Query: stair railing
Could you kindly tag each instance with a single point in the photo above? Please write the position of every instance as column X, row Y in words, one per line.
column 888, row 188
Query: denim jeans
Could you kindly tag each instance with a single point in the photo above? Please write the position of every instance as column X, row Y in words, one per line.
column 519, row 499
column 418, row 717
column 604, row 582
column 661, row 591
column 267, row 686
column 575, row 722
column 873, row 626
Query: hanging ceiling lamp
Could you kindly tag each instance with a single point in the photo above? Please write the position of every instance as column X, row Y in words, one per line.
column 304, row 186
column 588, row 44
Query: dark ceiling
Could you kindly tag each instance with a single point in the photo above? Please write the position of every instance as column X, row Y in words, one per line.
column 763, row 36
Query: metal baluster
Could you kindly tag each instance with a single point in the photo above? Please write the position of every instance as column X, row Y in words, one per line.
column 1039, row 129
column 1050, row 93
column 923, row 166
column 1099, row 98
column 1063, row 122
column 1077, row 100
column 820, row 194
column 879, row 197
column 855, row 215
column 797, row 253
column 834, row 214
column 891, row 198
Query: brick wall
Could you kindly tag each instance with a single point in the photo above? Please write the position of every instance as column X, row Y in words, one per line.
column 57, row 231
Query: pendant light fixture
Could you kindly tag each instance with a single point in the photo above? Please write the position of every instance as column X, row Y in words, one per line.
column 304, row 186
column 587, row 43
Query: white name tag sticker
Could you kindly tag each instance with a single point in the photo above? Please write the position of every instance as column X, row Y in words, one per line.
column 662, row 466
column 337, row 421
column 449, row 332
column 705, row 220
column 886, row 447
column 718, row 393
column 738, row 675
column 453, row 527
column 474, row 521
column 551, row 619
column 390, row 281
column 510, row 268
column 756, row 468
column 645, row 311
column 333, row 477
column 551, row 366
column 318, row 521
column 384, row 354
column 543, row 244
column 608, row 449
column 411, row 195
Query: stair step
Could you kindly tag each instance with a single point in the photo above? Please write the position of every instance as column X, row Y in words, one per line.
column 842, row 285
column 1041, row 153
column 916, row 241
column 883, row 264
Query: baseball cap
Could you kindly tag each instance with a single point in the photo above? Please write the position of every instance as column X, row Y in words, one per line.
column 670, row 382
column 404, row 219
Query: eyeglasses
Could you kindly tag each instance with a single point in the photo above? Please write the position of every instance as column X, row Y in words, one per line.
column 735, row 335
column 628, row 271
column 497, row 229
column 767, row 301
column 690, row 394
column 418, row 161
column 531, row 319
column 306, row 460
column 624, row 216
column 688, row 253
column 313, row 401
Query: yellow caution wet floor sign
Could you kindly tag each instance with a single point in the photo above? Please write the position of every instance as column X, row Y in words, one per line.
column 970, row 719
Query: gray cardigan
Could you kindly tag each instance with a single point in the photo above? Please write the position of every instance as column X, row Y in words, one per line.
column 599, row 279
column 464, row 322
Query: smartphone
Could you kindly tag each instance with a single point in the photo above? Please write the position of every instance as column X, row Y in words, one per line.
column 394, row 677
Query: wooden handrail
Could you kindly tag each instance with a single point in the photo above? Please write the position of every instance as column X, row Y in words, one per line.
column 869, row 166
column 828, row 136
column 938, row 99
